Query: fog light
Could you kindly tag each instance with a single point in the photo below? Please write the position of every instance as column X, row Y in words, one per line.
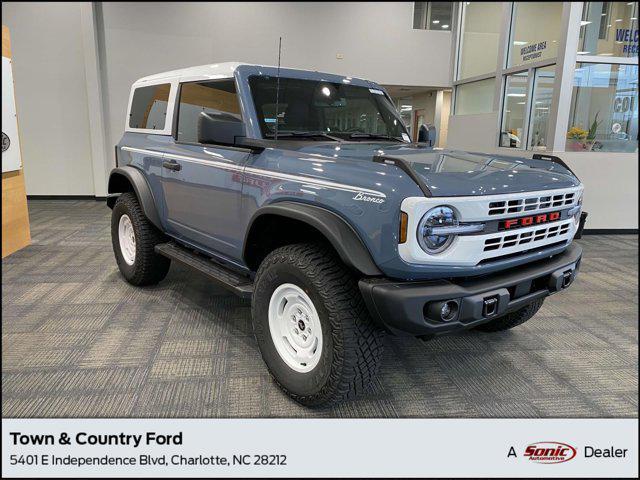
column 445, row 311
column 442, row 311
column 449, row 311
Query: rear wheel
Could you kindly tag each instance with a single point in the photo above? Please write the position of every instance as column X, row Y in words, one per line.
column 134, row 238
column 512, row 319
column 312, row 327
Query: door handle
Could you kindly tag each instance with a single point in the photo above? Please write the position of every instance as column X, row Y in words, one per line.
column 171, row 165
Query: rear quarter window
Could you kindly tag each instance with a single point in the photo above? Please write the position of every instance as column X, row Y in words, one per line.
column 149, row 107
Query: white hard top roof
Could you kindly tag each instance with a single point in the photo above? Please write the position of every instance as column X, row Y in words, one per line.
column 201, row 72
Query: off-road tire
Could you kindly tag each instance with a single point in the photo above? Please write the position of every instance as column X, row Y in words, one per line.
column 512, row 319
column 148, row 268
column 352, row 344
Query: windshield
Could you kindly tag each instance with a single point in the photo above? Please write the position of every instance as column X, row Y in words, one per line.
column 319, row 109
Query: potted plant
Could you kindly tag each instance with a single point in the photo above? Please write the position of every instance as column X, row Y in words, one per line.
column 576, row 137
column 583, row 140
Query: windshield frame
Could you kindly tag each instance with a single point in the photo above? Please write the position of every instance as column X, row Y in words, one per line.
column 381, row 101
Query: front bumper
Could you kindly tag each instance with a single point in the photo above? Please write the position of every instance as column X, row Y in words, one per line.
column 413, row 307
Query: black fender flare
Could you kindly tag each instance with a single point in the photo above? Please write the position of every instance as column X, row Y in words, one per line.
column 340, row 234
column 118, row 178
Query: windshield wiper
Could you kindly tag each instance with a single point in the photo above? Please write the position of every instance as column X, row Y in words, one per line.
column 375, row 136
column 305, row 135
column 379, row 136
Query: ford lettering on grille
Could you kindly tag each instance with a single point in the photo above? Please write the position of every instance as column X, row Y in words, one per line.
column 521, row 222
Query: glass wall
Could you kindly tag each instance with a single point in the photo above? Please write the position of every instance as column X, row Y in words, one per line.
column 514, row 110
column 602, row 103
column 604, row 108
column 609, row 29
column 479, row 38
column 544, row 81
column 432, row 15
column 535, row 32
column 475, row 97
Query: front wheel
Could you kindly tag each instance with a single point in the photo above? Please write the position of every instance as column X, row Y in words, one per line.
column 134, row 239
column 312, row 327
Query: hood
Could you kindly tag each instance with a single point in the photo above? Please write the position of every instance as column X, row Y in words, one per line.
column 457, row 173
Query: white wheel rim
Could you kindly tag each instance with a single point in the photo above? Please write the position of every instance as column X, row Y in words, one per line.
column 127, row 239
column 295, row 327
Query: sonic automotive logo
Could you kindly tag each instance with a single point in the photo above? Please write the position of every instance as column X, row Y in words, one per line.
column 549, row 452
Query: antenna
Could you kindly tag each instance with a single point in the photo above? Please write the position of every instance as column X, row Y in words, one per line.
column 275, row 135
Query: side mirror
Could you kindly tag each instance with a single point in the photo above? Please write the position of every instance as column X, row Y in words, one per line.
column 219, row 127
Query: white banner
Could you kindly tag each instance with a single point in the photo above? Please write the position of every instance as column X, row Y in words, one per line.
column 320, row 448
column 10, row 143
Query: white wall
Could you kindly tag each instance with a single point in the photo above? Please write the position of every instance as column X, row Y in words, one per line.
column 427, row 103
column 51, row 97
column 611, row 187
column 62, row 78
column 475, row 133
column 377, row 42
column 443, row 111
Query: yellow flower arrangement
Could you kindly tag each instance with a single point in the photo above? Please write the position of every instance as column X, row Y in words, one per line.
column 577, row 133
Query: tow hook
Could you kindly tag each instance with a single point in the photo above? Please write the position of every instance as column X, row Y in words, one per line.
column 489, row 307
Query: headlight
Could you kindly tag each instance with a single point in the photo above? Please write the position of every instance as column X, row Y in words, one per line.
column 441, row 216
column 439, row 226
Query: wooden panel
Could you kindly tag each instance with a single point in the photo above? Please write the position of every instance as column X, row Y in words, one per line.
column 6, row 42
column 15, row 216
column 213, row 98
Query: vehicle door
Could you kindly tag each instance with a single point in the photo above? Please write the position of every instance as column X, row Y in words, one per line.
column 202, row 181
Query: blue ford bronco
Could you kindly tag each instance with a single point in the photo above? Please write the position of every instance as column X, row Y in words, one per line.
column 303, row 192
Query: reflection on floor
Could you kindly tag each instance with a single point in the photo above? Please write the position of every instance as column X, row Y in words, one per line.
column 80, row 342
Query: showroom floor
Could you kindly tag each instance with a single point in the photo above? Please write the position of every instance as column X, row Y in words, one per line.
column 77, row 341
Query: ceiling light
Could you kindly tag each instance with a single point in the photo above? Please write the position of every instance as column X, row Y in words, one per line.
column 436, row 21
column 516, row 94
column 519, row 42
column 326, row 91
column 522, row 103
column 618, row 19
column 603, row 14
column 634, row 18
column 445, row 26
column 584, row 22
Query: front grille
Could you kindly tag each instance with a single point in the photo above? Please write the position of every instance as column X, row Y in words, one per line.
column 531, row 204
column 522, row 252
column 532, row 236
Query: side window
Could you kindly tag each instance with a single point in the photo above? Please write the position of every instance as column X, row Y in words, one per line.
column 149, row 107
column 219, row 96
